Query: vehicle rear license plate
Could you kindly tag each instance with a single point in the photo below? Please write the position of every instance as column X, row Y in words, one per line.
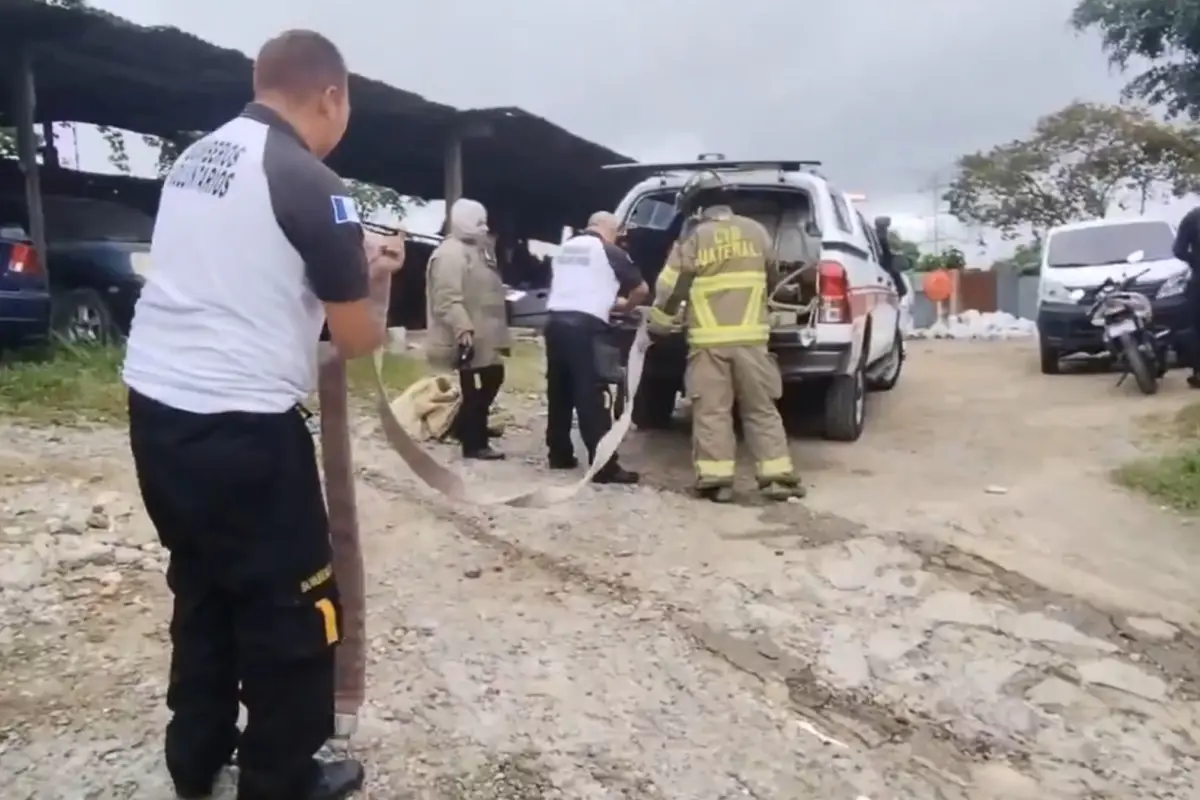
column 1120, row 328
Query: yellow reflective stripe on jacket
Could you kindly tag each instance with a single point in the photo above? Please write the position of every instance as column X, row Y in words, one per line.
column 703, row 328
column 729, row 335
column 660, row 317
column 742, row 279
column 705, row 331
column 667, row 278
column 714, row 469
column 754, row 305
column 775, row 467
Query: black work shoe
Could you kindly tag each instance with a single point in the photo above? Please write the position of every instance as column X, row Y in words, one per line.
column 201, row 789
column 617, row 475
column 484, row 454
column 185, row 791
column 563, row 462
column 717, row 494
column 336, row 780
column 339, row 779
column 1193, row 380
column 777, row 490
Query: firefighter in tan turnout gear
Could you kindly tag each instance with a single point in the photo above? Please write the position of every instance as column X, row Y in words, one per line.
column 715, row 282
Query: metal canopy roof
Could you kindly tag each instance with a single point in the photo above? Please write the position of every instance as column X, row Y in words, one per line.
column 97, row 68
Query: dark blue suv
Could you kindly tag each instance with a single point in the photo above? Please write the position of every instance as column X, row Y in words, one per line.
column 24, row 293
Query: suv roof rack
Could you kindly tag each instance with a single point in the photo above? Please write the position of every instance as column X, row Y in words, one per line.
column 720, row 165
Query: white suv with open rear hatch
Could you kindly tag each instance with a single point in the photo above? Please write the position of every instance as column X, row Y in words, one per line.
column 835, row 322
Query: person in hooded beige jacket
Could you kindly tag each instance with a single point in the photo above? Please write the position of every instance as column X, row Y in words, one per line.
column 468, row 322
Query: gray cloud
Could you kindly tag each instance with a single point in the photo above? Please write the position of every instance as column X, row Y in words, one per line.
column 886, row 93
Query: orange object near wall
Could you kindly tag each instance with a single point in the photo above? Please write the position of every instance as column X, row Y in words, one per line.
column 938, row 285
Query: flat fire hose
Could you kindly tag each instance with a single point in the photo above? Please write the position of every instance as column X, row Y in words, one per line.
column 448, row 482
column 337, row 462
column 343, row 518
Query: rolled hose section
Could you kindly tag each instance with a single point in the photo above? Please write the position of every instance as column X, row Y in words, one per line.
column 793, row 277
column 338, row 466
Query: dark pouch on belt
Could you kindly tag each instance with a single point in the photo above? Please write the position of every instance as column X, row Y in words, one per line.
column 464, row 356
column 608, row 362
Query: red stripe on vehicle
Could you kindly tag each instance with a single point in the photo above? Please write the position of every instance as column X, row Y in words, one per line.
column 863, row 299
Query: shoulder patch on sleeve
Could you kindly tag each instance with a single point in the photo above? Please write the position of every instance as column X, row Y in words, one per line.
column 345, row 210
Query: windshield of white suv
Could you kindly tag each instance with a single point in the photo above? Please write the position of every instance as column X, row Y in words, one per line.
column 656, row 212
column 1110, row 244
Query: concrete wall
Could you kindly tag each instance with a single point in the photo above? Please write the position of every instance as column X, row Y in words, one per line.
column 923, row 310
column 1015, row 294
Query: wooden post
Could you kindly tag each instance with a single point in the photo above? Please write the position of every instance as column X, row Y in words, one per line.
column 466, row 127
column 49, row 147
column 26, row 116
column 452, row 188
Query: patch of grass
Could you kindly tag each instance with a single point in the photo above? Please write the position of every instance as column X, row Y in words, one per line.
column 64, row 385
column 1187, row 422
column 524, row 372
column 74, row 385
column 1172, row 479
column 399, row 372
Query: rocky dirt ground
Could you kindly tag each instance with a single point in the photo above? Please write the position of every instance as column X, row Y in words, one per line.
column 964, row 607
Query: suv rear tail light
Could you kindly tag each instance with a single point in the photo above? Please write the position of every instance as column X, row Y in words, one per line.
column 23, row 260
column 834, row 290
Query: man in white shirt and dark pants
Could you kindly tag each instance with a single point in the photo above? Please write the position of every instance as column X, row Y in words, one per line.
column 591, row 277
column 257, row 245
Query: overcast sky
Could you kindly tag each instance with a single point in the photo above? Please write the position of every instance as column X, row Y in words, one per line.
column 886, row 93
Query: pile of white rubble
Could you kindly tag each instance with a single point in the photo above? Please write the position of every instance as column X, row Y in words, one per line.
column 973, row 324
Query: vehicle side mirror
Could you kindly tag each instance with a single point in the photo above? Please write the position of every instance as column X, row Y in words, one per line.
column 812, row 228
column 882, row 226
column 901, row 262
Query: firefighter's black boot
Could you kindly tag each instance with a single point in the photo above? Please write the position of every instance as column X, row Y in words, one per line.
column 335, row 780
column 717, row 494
column 615, row 473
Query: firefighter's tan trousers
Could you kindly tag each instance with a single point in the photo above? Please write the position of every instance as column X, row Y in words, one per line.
column 717, row 377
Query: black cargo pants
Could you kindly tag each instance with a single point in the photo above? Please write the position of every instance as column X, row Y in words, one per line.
column 236, row 499
column 479, row 388
column 574, row 385
column 1190, row 339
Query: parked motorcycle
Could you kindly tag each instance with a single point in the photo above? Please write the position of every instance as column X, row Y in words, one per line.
column 1126, row 317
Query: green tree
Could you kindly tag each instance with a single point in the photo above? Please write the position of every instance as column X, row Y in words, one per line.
column 901, row 246
column 951, row 258
column 1026, row 258
column 374, row 201
column 1078, row 163
column 1165, row 33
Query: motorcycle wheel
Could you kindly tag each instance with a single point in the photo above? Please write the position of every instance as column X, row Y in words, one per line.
column 1135, row 360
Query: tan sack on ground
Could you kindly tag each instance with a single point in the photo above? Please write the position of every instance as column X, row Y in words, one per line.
column 427, row 409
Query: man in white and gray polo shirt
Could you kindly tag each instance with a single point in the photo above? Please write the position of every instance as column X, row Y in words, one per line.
column 256, row 246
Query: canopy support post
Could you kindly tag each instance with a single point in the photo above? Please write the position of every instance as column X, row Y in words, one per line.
column 27, row 150
column 49, row 147
column 452, row 189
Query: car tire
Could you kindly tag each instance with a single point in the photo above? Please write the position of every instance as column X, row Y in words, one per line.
column 654, row 406
column 1050, row 358
column 846, row 407
column 887, row 381
column 81, row 316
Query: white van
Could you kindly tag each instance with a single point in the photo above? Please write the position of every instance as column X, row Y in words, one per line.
column 1080, row 256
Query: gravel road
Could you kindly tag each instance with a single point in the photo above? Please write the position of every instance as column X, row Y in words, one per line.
column 963, row 607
